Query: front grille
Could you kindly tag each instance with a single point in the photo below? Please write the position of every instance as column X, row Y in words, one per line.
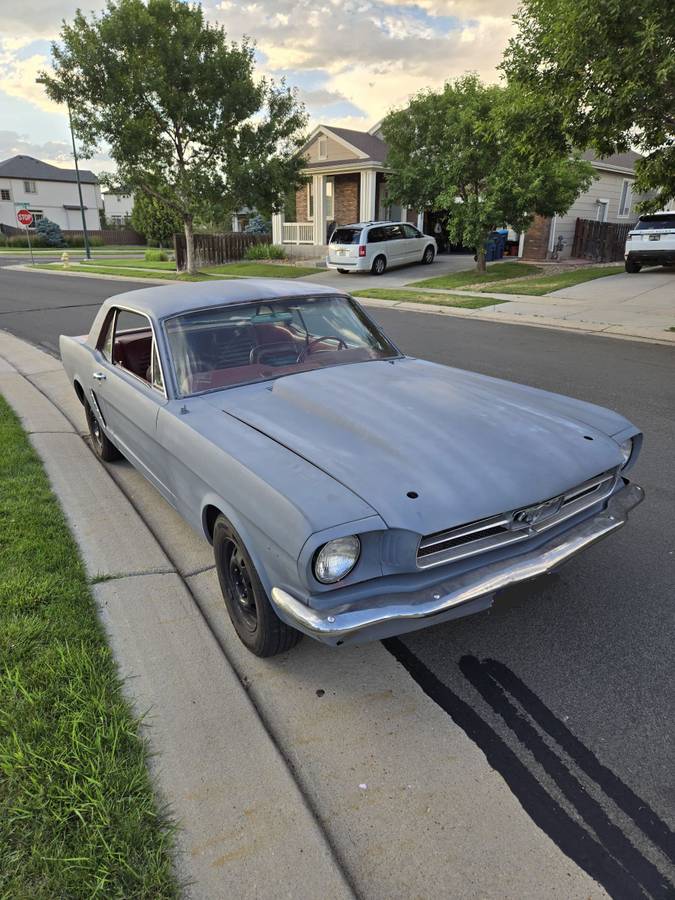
column 499, row 531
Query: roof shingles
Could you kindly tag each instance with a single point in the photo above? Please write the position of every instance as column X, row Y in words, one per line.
column 35, row 170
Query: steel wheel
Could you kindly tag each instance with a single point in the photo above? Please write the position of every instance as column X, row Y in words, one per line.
column 240, row 588
column 103, row 446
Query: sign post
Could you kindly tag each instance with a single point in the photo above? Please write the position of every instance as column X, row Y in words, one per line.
column 25, row 217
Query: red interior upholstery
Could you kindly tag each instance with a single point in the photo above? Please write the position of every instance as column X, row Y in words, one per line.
column 132, row 351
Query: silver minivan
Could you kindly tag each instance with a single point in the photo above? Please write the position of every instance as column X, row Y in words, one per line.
column 375, row 246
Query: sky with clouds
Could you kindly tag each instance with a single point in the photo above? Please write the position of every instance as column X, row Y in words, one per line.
column 351, row 60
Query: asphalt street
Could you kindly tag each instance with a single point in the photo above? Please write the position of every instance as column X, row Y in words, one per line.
column 566, row 683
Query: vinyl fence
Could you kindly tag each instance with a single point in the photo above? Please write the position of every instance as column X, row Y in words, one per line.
column 216, row 249
column 601, row 241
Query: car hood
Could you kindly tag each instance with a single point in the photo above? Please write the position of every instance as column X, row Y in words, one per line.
column 467, row 445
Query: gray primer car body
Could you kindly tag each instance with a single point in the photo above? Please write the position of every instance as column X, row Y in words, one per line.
column 390, row 450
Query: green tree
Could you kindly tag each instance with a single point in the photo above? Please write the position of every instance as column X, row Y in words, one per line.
column 155, row 220
column 483, row 154
column 610, row 69
column 186, row 119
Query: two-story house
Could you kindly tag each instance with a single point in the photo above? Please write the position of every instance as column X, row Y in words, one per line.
column 49, row 192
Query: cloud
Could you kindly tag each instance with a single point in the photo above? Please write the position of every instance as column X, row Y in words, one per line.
column 58, row 153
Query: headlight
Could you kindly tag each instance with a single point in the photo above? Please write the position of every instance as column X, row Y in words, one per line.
column 626, row 449
column 336, row 559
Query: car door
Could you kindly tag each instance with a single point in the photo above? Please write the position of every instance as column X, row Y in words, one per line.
column 394, row 244
column 415, row 243
column 128, row 389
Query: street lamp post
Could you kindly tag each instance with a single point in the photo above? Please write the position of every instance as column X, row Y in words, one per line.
column 87, row 251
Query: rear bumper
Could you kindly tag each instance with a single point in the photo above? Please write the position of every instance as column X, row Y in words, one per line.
column 655, row 257
column 362, row 264
column 459, row 596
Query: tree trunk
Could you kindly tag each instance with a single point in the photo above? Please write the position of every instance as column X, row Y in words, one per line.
column 480, row 258
column 190, row 262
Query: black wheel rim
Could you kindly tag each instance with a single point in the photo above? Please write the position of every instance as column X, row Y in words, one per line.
column 95, row 429
column 240, row 587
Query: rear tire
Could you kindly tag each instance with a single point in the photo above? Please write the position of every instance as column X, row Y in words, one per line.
column 379, row 266
column 428, row 255
column 103, row 446
column 257, row 625
column 343, row 271
column 632, row 266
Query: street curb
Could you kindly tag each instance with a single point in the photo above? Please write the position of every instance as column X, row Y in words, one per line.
column 505, row 319
column 22, row 268
column 245, row 828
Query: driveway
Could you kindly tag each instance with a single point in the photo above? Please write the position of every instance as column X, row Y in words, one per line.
column 395, row 278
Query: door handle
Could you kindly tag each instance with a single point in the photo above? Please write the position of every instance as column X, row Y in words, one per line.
column 99, row 376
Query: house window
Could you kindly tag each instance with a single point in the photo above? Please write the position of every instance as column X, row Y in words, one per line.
column 37, row 215
column 626, row 198
column 4, row 195
column 602, row 211
column 29, row 187
column 323, row 148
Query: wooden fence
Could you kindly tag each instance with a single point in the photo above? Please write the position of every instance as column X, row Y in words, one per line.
column 601, row 241
column 216, row 249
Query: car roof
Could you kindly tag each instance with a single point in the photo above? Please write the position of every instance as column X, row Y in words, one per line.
column 160, row 302
column 370, row 224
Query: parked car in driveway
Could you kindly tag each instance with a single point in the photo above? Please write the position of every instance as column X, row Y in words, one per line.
column 651, row 242
column 350, row 492
column 376, row 246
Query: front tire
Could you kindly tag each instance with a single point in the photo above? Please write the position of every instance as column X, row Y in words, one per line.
column 428, row 256
column 257, row 625
column 379, row 266
column 632, row 266
column 103, row 446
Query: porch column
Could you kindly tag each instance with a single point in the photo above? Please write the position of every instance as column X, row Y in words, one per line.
column 278, row 227
column 420, row 222
column 319, row 190
column 235, row 223
column 367, row 204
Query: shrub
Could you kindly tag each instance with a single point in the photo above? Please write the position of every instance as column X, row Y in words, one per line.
column 78, row 241
column 156, row 256
column 258, row 225
column 3, row 240
column 20, row 240
column 265, row 251
column 51, row 233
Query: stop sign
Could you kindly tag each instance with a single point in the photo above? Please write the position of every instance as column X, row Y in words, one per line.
column 24, row 217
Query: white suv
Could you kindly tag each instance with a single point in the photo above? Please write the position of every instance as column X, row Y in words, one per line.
column 651, row 242
column 372, row 246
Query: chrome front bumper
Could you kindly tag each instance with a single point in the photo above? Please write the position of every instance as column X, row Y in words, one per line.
column 396, row 614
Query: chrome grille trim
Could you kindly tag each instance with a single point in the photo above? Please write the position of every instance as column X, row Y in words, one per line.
column 488, row 534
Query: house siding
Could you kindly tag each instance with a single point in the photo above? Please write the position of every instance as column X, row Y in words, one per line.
column 334, row 150
column 50, row 199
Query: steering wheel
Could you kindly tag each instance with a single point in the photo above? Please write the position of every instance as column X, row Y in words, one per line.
column 307, row 349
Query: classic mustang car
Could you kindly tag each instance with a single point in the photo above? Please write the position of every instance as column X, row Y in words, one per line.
column 350, row 492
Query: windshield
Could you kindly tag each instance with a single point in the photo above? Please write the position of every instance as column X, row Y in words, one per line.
column 650, row 223
column 249, row 342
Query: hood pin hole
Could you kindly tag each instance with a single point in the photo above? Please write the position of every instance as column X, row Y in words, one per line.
column 413, row 495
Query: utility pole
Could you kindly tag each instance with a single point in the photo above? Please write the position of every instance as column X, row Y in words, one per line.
column 87, row 251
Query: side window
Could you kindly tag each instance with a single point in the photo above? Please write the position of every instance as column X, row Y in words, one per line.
column 105, row 338
column 132, row 344
column 410, row 231
column 392, row 233
column 375, row 235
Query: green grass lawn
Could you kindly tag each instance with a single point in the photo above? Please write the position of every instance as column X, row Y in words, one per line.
column 261, row 270
column 495, row 272
column 90, row 268
column 547, row 283
column 427, row 297
column 77, row 813
column 164, row 266
column 105, row 250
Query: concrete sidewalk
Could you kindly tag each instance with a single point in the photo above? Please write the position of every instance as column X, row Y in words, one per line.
column 245, row 829
column 328, row 762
